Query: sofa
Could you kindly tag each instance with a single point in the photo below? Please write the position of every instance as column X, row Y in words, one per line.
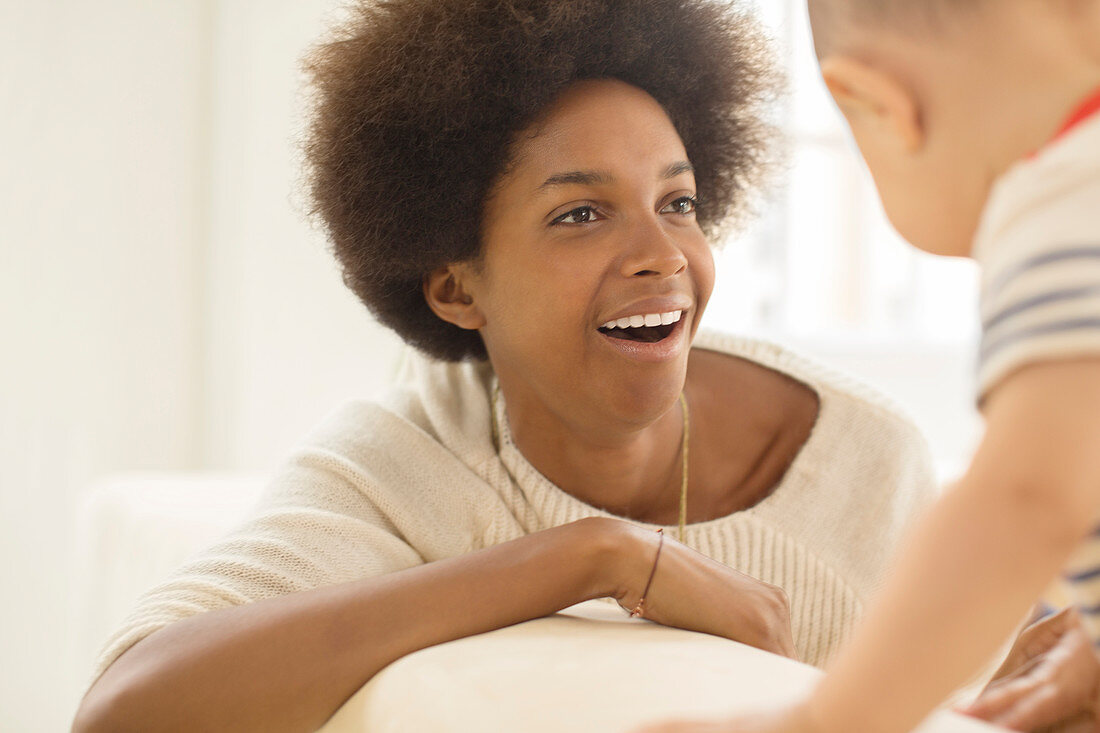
column 588, row 668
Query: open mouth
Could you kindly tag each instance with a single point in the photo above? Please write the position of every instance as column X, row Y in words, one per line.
column 649, row 328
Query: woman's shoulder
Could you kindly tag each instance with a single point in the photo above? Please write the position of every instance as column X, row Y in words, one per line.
column 860, row 441
column 403, row 461
column 862, row 474
column 835, row 389
column 428, row 402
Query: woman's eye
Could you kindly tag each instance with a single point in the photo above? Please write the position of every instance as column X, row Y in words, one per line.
column 682, row 205
column 579, row 215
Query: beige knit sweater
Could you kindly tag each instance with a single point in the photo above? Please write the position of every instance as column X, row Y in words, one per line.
column 384, row 487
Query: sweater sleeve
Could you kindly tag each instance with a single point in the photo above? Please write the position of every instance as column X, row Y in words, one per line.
column 1039, row 251
column 314, row 527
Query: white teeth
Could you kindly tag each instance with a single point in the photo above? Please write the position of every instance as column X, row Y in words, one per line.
column 649, row 319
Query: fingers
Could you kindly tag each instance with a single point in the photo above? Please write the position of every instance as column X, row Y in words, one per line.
column 1043, row 706
column 1036, row 639
column 1042, row 711
column 1059, row 682
column 1045, row 633
column 1000, row 696
column 1063, row 688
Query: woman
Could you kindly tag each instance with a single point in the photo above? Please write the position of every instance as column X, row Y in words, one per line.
column 526, row 192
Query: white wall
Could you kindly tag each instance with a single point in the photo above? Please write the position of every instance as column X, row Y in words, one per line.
column 286, row 341
column 163, row 305
column 100, row 220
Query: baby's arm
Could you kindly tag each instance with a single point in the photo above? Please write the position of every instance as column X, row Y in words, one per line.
column 974, row 564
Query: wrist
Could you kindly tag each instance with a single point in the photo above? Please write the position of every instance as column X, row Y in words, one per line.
column 613, row 556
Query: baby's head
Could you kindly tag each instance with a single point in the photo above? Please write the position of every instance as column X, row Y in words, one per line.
column 843, row 25
column 942, row 96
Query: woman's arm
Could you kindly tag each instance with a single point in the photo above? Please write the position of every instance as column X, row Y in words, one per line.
column 288, row 663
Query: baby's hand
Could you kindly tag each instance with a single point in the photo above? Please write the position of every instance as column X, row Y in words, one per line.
column 1051, row 678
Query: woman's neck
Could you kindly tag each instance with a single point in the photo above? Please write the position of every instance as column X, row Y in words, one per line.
column 748, row 422
column 629, row 470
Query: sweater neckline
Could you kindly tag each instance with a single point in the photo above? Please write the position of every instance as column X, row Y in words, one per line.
column 542, row 491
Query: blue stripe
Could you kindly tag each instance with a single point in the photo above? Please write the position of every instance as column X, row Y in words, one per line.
column 1089, row 610
column 1071, row 253
column 1075, row 324
column 1045, row 298
column 1082, row 576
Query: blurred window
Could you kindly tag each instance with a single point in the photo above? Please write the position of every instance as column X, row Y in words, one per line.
column 821, row 262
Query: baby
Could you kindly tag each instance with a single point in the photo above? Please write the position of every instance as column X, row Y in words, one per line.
column 980, row 123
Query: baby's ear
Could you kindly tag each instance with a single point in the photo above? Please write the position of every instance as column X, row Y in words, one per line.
column 874, row 102
column 447, row 293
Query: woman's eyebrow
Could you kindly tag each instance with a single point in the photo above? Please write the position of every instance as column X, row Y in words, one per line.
column 596, row 178
column 577, row 178
column 680, row 166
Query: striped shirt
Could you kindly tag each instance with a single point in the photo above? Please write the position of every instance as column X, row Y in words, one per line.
column 1038, row 246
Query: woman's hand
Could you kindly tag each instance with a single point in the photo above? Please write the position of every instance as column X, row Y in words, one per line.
column 691, row 591
column 1050, row 680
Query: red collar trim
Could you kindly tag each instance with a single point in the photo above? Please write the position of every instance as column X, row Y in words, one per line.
column 1087, row 109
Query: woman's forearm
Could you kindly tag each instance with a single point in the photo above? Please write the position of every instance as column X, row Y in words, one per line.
column 288, row 663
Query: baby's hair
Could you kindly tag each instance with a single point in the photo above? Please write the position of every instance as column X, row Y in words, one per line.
column 835, row 21
column 417, row 104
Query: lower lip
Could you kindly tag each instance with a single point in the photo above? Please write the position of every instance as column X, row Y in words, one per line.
column 666, row 349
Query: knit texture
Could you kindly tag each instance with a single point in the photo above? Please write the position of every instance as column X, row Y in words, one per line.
column 381, row 487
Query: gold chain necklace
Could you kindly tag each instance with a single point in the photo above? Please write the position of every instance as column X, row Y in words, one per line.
column 684, row 466
column 683, row 451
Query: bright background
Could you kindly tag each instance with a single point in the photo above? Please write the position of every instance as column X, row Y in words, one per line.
column 164, row 306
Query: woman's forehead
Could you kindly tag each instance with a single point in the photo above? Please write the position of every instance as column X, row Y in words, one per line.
column 598, row 132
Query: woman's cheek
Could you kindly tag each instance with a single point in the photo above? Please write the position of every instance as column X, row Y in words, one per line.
column 703, row 264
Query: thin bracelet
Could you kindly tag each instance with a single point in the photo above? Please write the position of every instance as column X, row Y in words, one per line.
column 641, row 601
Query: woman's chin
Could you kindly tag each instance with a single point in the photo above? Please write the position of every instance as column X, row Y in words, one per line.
column 643, row 401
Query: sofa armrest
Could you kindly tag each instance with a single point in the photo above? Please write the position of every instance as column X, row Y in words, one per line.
column 132, row 530
column 588, row 669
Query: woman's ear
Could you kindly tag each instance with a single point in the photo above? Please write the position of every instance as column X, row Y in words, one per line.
column 448, row 297
column 875, row 103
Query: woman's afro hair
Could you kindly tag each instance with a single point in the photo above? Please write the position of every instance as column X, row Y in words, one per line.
column 416, row 104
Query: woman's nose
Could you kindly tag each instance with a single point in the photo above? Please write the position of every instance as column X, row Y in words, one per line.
column 652, row 251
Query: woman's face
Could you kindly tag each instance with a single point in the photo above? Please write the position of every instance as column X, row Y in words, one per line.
column 594, row 271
